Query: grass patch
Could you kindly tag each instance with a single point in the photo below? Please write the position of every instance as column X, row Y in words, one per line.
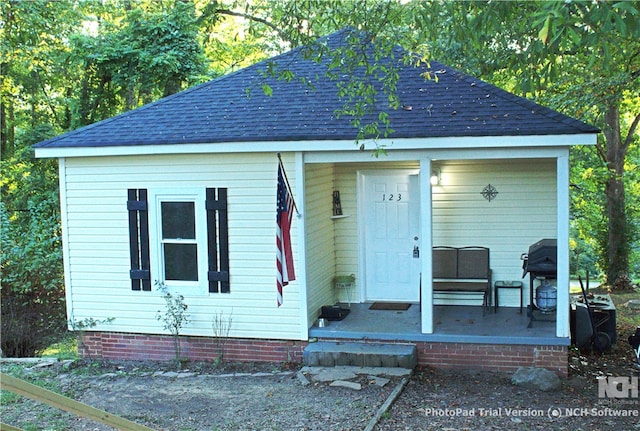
column 28, row 414
column 7, row 398
column 626, row 317
column 67, row 348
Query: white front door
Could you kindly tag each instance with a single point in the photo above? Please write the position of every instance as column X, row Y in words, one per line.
column 391, row 204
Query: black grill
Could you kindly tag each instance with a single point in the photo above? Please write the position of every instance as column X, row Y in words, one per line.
column 542, row 259
column 541, row 263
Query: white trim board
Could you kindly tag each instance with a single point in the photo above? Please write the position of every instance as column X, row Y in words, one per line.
column 452, row 143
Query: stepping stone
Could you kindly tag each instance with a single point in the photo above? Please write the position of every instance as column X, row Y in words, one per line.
column 331, row 374
column 346, row 384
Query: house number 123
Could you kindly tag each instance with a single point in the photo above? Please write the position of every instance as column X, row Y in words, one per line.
column 391, row 197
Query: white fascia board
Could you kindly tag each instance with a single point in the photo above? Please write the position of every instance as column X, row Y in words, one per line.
column 474, row 142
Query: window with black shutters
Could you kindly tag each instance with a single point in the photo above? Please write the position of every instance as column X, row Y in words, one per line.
column 188, row 232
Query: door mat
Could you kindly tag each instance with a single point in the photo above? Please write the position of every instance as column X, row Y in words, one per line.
column 396, row 306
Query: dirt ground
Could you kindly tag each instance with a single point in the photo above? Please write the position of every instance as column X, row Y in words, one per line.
column 272, row 397
column 235, row 396
column 202, row 397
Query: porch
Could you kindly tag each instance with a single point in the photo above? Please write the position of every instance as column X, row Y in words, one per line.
column 452, row 324
column 462, row 337
column 381, row 243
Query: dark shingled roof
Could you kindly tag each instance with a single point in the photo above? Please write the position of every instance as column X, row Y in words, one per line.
column 234, row 108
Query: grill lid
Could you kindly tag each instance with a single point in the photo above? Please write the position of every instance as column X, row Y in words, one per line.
column 542, row 258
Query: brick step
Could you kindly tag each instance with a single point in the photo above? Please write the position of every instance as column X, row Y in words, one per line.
column 330, row 354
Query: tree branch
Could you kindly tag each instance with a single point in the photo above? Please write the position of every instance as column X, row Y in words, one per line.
column 601, row 152
column 631, row 131
column 253, row 18
column 46, row 97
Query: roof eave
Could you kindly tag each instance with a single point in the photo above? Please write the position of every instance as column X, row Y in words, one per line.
column 432, row 143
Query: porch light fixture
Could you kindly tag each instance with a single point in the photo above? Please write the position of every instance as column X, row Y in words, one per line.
column 435, row 177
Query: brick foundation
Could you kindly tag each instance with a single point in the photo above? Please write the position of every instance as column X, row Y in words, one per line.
column 494, row 357
column 491, row 357
column 119, row 346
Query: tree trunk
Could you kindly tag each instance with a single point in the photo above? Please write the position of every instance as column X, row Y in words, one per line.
column 4, row 141
column 618, row 235
column 172, row 85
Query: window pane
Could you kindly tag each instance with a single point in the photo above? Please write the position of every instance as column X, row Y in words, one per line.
column 178, row 220
column 181, row 262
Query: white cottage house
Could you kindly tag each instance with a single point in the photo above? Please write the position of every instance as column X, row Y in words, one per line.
column 182, row 191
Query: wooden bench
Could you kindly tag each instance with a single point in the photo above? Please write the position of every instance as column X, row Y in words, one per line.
column 462, row 271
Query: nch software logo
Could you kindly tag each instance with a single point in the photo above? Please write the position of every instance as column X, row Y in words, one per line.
column 618, row 387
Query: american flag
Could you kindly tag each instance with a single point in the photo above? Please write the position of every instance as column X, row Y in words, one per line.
column 284, row 256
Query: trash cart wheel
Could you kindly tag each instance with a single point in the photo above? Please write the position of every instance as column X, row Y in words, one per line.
column 602, row 341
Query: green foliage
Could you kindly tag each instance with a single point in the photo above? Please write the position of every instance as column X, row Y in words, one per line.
column 32, row 291
column 365, row 83
column 66, row 348
column 34, row 63
column 88, row 323
column 577, row 57
column 174, row 316
column 152, row 53
column 66, row 64
column 81, row 326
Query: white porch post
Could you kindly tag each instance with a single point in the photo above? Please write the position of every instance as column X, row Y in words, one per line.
column 562, row 311
column 302, row 246
column 426, row 236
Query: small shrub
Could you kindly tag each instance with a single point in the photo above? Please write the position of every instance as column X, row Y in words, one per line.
column 221, row 326
column 174, row 316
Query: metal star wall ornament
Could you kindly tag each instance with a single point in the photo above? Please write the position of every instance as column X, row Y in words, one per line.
column 489, row 192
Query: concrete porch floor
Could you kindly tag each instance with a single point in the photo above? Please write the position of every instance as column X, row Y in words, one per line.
column 452, row 324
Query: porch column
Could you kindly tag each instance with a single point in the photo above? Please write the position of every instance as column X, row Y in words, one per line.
column 426, row 236
column 562, row 310
column 302, row 246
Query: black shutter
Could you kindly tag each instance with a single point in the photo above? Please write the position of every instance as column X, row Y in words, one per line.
column 139, row 239
column 217, row 240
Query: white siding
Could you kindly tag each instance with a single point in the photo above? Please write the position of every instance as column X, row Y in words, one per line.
column 346, row 229
column 97, row 240
column 523, row 212
column 98, row 243
column 319, row 238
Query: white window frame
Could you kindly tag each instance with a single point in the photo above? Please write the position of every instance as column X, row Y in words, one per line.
column 197, row 196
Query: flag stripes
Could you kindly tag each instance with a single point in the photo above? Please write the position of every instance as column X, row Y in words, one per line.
column 284, row 255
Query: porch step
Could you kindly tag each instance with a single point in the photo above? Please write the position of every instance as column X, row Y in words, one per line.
column 330, row 354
